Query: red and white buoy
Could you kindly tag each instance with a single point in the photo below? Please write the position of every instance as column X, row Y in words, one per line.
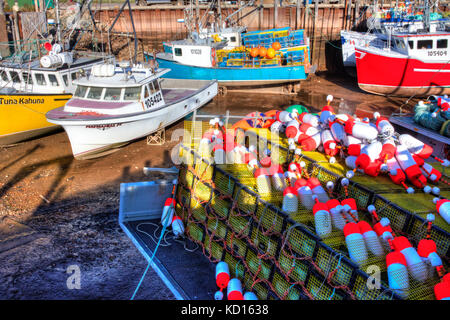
column 397, row 273
column 177, row 226
column 360, row 130
column 396, row 174
column 283, row 116
column 327, row 111
column 290, row 200
column 355, row 243
column 317, row 189
column 371, row 239
column 350, row 209
column 311, row 143
column 263, row 181
column 369, row 153
column 383, row 125
column 305, row 194
column 278, row 180
column 337, row 130
column 292, row 129
column 322, row 219
column 234, row 290
column 168, row 211
column 443, row 208
column 306, row 117
column 335, row 208
column 388, row 150
column 442, row 289
column 329, row 144
column 416, row 266
column 415, row 146
column 407, row 163
column 222, row 278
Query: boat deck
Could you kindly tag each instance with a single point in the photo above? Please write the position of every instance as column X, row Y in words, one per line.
column 170, row 96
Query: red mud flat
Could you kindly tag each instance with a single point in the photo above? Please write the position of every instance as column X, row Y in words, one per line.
column 56, row 212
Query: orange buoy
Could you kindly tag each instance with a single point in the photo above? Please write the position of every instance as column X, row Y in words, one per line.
column 270, row 53
column 254, row 52
column 276, row 46
column 262, row 52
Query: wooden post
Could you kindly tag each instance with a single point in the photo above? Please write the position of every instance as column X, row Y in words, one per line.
column 297, row 17
column 316, row 15
column 357, row 13
column 4, row 50
column 197, row 15
column 219, row 11
column 275, row 13
column 261, row 15
column 348, row 14
column 306, row 13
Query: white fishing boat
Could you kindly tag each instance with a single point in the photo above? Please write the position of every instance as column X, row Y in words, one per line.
column 114, row 105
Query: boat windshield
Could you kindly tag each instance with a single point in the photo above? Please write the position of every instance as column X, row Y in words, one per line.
column 95, row 93
column 132, row 93
column 112, row 94
column 80, row 92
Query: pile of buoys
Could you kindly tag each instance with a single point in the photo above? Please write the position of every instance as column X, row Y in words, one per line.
column 263, row 52
column 369, row 147
column 234, row 285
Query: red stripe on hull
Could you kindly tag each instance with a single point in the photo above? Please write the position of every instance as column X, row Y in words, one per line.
column 383, row 74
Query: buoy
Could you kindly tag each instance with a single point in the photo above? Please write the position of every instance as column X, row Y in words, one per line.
column 270, row 53
column 177, row 226
column 360, row 130
column 262, row 52
column 371, row 239
column 234, row 290
column 443, row 208
column 396, row 174
column 407, row 163
column 384, row 127
column 397, row 273
column 329, row 144
column 350, row 209
column 292, row 128
column 250, row 296
column 355, row 243
column 427, row 249
column 414, row 263
column 222, row 275
column 307, row 130
column 322, row 219
column 317, row 189
column 290, row 200
column 369, row 153
column 305, row 197
column 262, row 181
column 428, row 170
column 306, row 117
column 415, row 146
column 442, row 289
column 283, row 116
column 219, row 154
column 388, row 150
column 254, row 52
column 276, row 45
column 277, row 127
column 278, row 180
column 335, row 208
column 293, row 173
column 327, row 111
column 311, row 143
column 337, row 130
column 354, row 145
column 168, row 210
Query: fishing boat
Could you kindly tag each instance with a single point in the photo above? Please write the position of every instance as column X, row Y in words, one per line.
column 30, row 87
column 402, row 18
column 409, row 64
column 206, row 59
column 116, row 104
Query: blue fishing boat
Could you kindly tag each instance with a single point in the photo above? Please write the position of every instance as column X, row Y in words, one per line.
column 208, row 58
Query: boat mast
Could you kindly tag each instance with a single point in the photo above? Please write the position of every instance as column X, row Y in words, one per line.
column 58, row 22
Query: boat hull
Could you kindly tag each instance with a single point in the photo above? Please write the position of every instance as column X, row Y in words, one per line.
column 22, row 115
column 395, row 75
column 91, row 137
column 235, row 76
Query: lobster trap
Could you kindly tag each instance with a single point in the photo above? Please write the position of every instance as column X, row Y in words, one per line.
column 280, row 256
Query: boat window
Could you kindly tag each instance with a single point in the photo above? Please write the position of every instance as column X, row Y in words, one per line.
column 132, row 93
column 156, row 85
column 53, row 81
column 411, row 44
column 80, row 91
column 4, row 75
column 95, row 93
column 146, row 93
column 112, row 94
column 441, row 44
column 66, row 80
column 424, row 44
column 400, row 44
column 74, row 76
column 233, row 39
column 40, row 79
column 27, row 78
column 178, row 52
column 152, row 88
column 15, row 76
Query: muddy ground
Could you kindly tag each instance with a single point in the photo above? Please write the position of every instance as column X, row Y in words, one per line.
column 57, row 212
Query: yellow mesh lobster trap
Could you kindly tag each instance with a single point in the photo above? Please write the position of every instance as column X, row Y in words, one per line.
column 277, row 255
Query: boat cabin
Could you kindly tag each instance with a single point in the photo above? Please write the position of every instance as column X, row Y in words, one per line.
column 32, row 77
column 117, row 90
column 427, row 46
column 198, row 54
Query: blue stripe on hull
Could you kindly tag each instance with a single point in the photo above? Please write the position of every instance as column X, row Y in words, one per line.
column 229, row 75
